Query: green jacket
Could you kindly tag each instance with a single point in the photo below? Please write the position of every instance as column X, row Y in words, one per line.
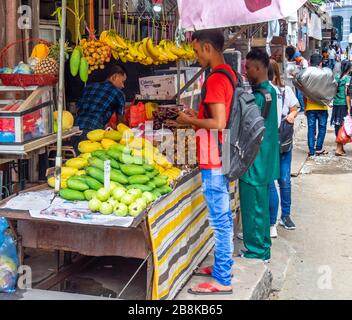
column 266, row 167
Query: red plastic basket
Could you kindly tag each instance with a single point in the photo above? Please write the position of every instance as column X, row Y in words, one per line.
column 26, row 80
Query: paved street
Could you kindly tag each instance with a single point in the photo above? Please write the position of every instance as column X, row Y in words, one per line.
column 321, row 268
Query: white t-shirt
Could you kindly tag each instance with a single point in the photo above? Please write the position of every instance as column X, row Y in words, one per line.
column 332, row 53
column 283, row 107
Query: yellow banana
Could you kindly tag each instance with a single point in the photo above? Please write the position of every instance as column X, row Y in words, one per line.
column 167, row 51
column 138, row 48
column 115, row 54
column 179, row 52
column 153, row 51
column 144, row 47
column 130, row 58
column 103, row 36
column 134, row 53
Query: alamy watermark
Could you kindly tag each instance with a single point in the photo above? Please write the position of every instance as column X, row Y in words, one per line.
column 25, row 19
column 325, row 280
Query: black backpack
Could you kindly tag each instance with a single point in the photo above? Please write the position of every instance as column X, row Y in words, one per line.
column 242, row 142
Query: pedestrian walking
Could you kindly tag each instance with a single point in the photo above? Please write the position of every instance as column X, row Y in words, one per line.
column 341, row 105
column 332, row 57
column 254, row 184
column 294, row 56
column 213, row 113
column 316, row 112
column 287, row 108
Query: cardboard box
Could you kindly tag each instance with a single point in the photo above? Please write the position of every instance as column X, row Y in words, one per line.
column 163, row 86
column 190, row 72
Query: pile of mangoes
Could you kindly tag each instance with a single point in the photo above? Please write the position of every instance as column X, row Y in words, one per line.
column 137, row 167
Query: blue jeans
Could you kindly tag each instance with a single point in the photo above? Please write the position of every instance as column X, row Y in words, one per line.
column 300, row 97
column 332, row 63
column 216, row 192
column 312, row 117
column 285, row 189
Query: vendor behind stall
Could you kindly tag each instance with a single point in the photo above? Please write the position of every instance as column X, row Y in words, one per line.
column 99, row 101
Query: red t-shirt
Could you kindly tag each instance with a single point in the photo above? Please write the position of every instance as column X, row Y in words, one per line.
column 219, row 90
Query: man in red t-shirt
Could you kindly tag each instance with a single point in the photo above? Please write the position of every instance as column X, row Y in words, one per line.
column 213, row 115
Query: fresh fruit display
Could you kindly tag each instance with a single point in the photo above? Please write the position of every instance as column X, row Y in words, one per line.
column 145, row 51
column 136, row 181
column 47, row 66
column 96, row 53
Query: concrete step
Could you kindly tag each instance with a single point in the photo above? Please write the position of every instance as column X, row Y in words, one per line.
column 253, row 279
column 34, row 294
column 282, row 254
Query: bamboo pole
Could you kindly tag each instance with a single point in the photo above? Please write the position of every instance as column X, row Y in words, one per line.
column 58, row 162
column 11, row 31
column 91, row 17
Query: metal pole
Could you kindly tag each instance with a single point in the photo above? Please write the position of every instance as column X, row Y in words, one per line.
column 178, row 82
column 58, row 162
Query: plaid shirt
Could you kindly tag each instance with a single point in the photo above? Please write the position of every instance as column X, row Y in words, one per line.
column 97, row 104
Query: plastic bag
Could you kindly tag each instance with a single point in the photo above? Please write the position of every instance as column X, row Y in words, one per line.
column 8, row 260
column 348, row 125
column 318, row 84
column 137, row 115
column 343, row 137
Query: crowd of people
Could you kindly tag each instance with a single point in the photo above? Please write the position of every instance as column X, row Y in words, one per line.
column 259, row 196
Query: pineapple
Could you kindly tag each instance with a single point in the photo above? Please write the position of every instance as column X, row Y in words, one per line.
column 47, row 66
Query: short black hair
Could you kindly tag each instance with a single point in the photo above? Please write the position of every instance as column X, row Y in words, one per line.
column 213, row 36
column 259, row 55
column 115, row 68
column 316, row 59
column 290, row 51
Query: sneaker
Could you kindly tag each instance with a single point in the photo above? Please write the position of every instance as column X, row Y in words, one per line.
column 240, row 236
column 287, row 223
column 273, row 231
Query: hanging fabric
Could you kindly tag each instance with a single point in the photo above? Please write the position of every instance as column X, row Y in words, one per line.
column 199, row 14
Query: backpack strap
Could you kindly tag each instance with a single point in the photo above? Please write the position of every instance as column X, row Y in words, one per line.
column 268, row 101
column 239, row 83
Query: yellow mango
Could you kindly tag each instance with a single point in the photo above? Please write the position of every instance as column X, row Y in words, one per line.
column 51, row 182
column 80, row 173
column 107, row 143
column 78, row 163
column 68, row 172
column 137, row 143
column 122, row 128
column 113, row 135
column 96, row 135
column 85, row 155
column 89, row 146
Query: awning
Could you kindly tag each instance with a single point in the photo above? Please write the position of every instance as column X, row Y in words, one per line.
column 207, row 14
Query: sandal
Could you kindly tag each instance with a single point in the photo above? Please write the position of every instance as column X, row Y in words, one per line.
column 205, row 272
column 321, row 152
column 337, row 154
column 212, row 290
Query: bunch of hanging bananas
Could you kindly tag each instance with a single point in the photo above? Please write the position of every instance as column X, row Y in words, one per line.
column 145, row 51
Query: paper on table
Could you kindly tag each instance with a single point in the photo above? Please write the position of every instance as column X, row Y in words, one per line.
column 44, row 205
column 78, row 212
column 38, row 201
